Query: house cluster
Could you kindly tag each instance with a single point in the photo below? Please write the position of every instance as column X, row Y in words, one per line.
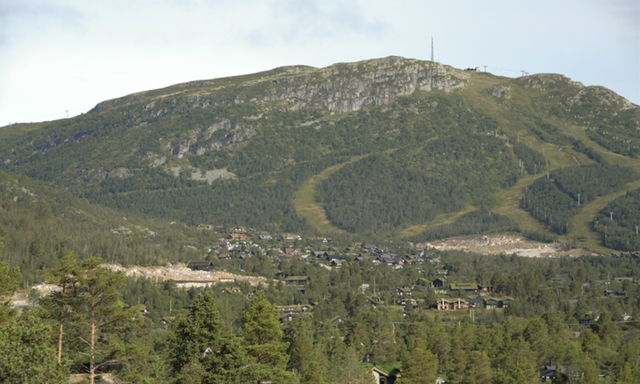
column 286, row 313
column 468, row 288
column 335, row 260
column 476, row 296
column 238, row 243
column 632, row 255
column 618, row 282
column 407, row 301
column 456, row 304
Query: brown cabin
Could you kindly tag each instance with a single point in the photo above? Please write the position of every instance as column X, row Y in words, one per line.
column 200, row 265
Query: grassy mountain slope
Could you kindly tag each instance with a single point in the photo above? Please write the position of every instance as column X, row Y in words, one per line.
column 381, row 147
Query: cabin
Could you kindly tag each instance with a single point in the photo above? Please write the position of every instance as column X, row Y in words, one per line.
column 474, row 302
column 369, row 247
column 550, row 373
column 616, row 293
column 297, row 280
column 491, row 303
column 405, row 291
column 200, row 265
column 320, row 254
column 465, row 287
column 589, row 319
column 337, row 263
column 451, row 304
column 438, row 283
column 382, row 377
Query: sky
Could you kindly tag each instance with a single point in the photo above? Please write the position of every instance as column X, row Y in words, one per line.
column 59, row 58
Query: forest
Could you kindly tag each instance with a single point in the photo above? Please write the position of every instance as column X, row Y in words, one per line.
column 150, row 331
column 554, row 199
column 618, row 223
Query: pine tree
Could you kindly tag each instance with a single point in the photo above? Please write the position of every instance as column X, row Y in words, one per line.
column 419, row 366
column 25, row 353
column 99, row 288
column 263, row 340
column 63, row 302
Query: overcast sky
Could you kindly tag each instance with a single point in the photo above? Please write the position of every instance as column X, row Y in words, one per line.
column 60, row 57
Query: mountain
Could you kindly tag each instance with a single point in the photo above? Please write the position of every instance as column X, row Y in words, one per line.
column 391, row 147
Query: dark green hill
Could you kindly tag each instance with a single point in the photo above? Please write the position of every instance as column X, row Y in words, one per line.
column 397, row 145
column 40, row 223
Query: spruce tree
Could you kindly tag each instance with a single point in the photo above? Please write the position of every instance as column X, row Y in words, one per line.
column 26, row 354
column 203, row 350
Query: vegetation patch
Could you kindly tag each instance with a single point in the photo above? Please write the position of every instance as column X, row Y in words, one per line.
column 618, row 224
column 555, row 199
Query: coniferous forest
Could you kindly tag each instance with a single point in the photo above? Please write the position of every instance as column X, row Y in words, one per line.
column 148, row 331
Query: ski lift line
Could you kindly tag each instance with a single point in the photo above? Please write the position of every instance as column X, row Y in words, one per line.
column 39, row 118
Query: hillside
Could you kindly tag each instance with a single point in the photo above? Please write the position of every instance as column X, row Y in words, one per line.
column 382, row 148
column 39, row 224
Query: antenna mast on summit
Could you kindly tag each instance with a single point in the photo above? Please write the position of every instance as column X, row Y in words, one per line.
column 432, row 49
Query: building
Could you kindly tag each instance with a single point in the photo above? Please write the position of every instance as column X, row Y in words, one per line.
column 615, row 292
column 200, row 265
column 439, row 283
column 451, row 304
column 298, row 281
column 382, row 377
column 464, row 287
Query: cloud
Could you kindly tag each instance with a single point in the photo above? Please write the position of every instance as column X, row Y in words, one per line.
column 305, row 21
column 9, row 11
column 19, row 15
column 628, row 11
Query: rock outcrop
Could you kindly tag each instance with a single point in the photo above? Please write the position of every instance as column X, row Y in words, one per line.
column 343, row 88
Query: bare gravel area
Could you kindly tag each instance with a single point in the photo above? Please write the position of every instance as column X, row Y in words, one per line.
column 505, row 243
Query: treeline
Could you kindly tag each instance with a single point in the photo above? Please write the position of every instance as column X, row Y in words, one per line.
column 619, row 222
column 555, row 199
column 265, row 201
column 480, row 221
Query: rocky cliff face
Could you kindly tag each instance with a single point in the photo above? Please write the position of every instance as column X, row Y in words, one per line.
column 346, row 88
